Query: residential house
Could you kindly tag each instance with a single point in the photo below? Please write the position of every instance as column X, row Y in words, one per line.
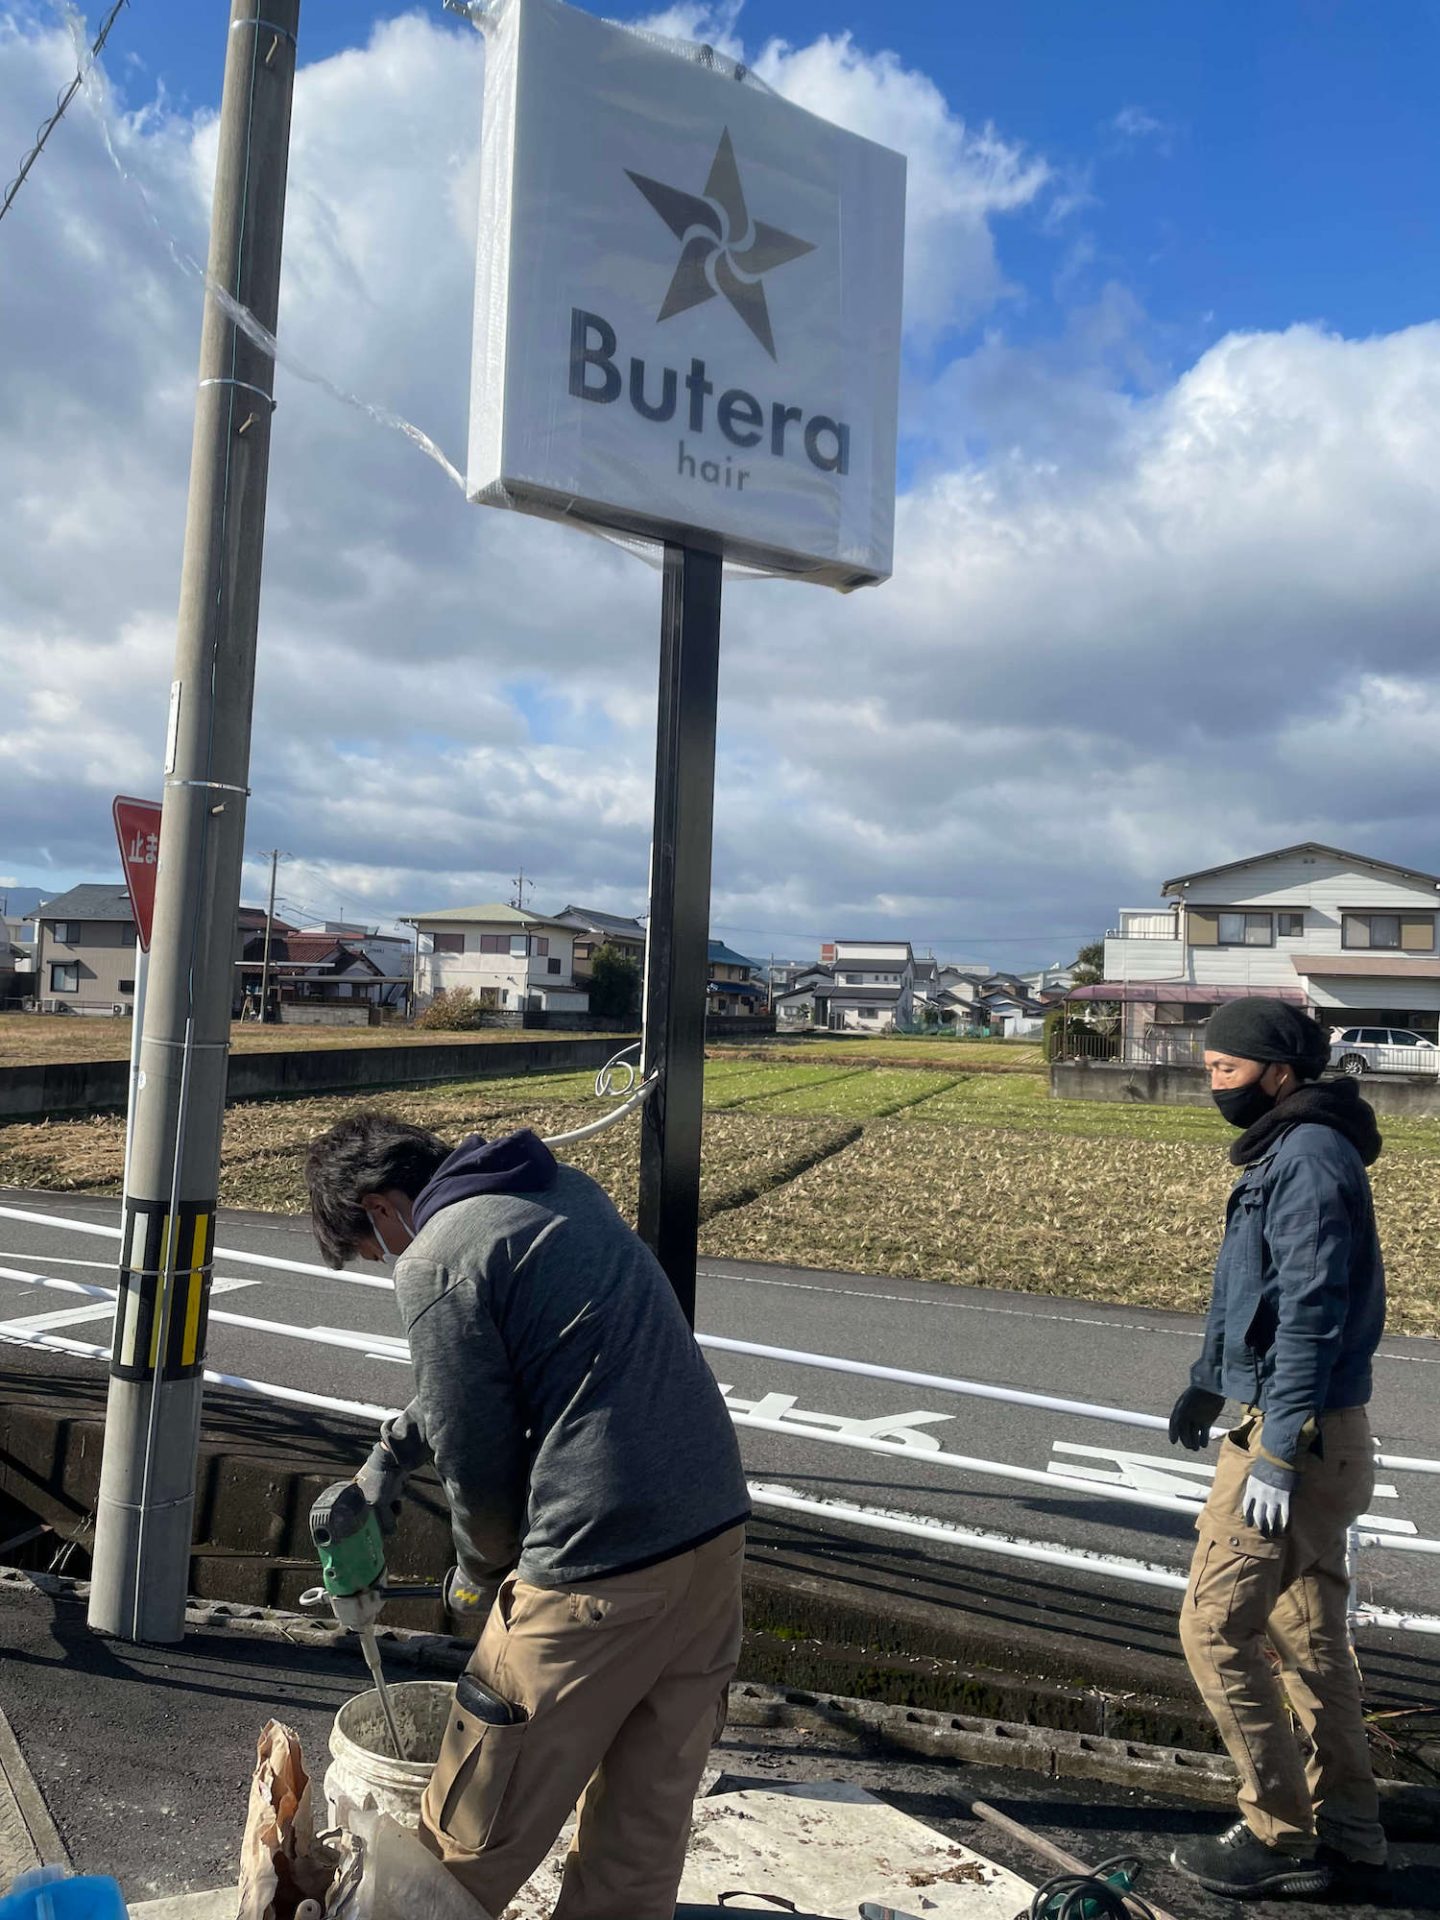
column 594, row 930
column 510, row 959
column 733, row 984
column 926, row 977
column 17, row 959
column 393, row 954
column 805, row 1001
column 308, row 970
column 1351, row 937
column 874, row 986
column 85, row 952
column 1045, row 980
column 1009, row 1010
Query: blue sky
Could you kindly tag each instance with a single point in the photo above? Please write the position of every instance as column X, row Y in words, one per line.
column 1290, row 170
column 1166, row 571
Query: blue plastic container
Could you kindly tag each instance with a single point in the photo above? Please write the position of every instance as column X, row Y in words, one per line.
column 51, row 1894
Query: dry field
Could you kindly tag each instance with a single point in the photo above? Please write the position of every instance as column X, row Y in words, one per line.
column 977, row 1178
column 33, row 1039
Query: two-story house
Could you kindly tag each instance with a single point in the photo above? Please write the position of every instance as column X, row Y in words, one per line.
column 1350, row 937
column 85, row 952
column 594, row 930
column 804, row 1001
column 17, row 959
column 510, row 959
column 874, row 985
column 732, row 985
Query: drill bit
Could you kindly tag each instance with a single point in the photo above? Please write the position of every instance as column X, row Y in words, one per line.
column 372, row 1660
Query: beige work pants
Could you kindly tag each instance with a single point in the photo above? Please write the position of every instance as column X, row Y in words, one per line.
column 624, row 1684
column 1293, row 1592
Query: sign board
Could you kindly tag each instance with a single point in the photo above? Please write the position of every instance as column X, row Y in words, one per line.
column 137, row 828
column 687, row 320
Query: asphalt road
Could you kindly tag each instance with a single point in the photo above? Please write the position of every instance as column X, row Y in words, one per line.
column 1106, row 1355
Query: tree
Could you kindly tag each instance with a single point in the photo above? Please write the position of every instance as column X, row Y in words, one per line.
column 1089, row 964
column 614, row 984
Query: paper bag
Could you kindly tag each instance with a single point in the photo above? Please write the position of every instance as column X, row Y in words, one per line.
column 281, row 1862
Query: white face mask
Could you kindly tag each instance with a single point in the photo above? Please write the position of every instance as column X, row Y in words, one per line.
column 391, row 1253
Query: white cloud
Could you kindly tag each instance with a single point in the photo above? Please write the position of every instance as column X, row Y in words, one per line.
column 1127, row 635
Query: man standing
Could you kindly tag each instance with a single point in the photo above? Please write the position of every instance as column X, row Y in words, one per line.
column 596, row 1492
column 1296, row 1315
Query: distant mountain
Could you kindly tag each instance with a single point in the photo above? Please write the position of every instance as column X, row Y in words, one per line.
column 18, row 901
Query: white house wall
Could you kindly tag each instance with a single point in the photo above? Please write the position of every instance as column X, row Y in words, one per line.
column 1316, row 880
column 1320, row 886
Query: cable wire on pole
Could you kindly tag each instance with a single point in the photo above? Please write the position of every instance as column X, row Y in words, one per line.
column 61, row 104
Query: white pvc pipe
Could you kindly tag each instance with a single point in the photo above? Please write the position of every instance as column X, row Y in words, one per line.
column 1032, row 1476
column 1039, row 1552
column 1111, row 1566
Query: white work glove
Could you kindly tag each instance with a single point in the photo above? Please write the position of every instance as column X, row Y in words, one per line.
column 469, row 1599
column 1267, row 1499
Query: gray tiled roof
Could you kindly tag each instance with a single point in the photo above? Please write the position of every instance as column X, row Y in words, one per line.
column 863, row 995
column 590, row 919
column 87, row 902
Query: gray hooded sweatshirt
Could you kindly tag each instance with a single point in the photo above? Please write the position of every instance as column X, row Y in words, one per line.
column 574, row 1422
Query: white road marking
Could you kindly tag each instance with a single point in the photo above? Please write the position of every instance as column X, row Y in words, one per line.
column 1157, row 1473
column 950, row 1301
column 97, row 1310
column 899, row 1427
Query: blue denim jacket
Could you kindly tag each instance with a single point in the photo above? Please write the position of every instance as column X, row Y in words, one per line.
column 1299, row 1301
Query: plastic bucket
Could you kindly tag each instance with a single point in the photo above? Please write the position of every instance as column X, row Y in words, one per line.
column 364, row 1773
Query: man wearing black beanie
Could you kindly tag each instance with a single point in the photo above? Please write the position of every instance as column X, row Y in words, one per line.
column 1297, row 1311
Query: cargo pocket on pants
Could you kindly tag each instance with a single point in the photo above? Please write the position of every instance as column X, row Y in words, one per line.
column 467, row 1791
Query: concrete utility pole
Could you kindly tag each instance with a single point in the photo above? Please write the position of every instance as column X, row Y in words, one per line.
column 147, row 1479
column 269, row 932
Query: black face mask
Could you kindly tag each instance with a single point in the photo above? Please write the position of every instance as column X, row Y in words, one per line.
column 1243, row 1106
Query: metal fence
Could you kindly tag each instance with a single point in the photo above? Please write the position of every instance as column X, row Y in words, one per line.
column 1104, row 1485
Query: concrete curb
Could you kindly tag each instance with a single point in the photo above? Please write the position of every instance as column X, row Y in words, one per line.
column 1054, row 1753
column 29, row 1838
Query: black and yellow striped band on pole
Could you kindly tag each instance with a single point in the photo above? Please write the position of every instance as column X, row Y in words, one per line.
column 153, row 1237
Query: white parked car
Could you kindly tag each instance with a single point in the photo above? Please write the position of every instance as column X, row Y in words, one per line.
column 1359, row 1050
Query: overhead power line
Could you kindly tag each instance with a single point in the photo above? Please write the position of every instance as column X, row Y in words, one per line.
column 61, row 104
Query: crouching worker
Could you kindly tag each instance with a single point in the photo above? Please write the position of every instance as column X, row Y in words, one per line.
column 1297, row 1312
column 597, row 1497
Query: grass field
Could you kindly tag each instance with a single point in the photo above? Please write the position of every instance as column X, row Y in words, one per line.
column 976, row 1177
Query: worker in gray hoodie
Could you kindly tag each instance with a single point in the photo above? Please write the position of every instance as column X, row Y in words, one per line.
column 597, row 1497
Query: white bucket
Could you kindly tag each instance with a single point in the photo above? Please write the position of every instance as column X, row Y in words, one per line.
column 364, row 1774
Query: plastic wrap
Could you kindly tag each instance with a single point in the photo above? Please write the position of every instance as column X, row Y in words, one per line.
column 687, row 314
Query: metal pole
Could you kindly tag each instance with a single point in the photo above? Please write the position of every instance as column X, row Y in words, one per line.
column 269, row 930
column 678, row 947
column 147, row 1480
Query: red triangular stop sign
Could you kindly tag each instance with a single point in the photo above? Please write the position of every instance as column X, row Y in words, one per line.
column 137, row 827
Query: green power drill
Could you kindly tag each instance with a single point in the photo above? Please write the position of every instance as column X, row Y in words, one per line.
column 347, row 1536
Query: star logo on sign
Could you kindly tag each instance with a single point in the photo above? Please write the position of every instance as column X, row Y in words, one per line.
column 721, row 249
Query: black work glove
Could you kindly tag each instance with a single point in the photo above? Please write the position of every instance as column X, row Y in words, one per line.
column 1192, row 1417
column 382, row 1481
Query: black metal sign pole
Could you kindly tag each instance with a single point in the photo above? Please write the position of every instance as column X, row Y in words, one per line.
column 677, row 952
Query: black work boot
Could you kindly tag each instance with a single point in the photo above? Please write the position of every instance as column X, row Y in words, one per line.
column 1358, row 1881
column 1237, row 1864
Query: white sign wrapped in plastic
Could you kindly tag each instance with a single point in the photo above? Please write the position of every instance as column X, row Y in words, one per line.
column 687, row 316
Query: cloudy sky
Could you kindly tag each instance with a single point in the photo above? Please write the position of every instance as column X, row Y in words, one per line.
column 1167, row 563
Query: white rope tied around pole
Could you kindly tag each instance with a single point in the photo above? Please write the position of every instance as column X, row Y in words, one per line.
column 605, row 1089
